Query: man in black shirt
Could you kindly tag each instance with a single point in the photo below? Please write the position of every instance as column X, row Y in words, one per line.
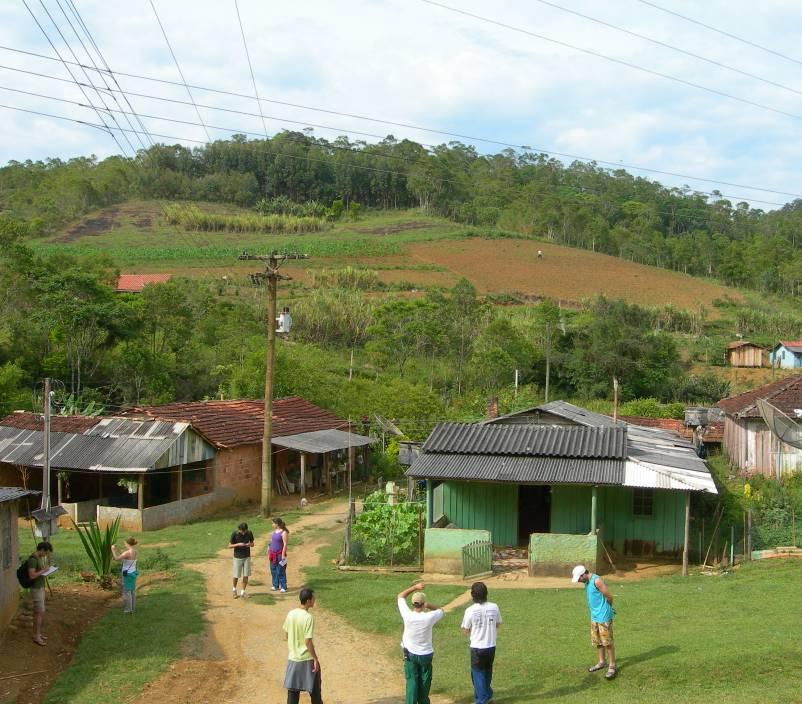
column 242, row 542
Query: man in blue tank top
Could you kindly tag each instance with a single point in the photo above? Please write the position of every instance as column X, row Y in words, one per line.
column 600, row 605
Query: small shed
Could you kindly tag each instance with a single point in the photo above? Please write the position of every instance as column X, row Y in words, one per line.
column 743, row 353
column 9, row 550
column 786, row 354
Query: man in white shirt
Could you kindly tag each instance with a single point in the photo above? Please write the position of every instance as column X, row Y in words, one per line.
column 416, row 643
column 481, row 622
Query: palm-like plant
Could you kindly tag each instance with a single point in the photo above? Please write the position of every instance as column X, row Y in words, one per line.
column 97, row 544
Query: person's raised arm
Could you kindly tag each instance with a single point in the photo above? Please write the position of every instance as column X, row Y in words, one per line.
column 414, row 588
column 602, row 587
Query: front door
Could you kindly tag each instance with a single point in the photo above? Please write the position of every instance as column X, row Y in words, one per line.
column 534, row 511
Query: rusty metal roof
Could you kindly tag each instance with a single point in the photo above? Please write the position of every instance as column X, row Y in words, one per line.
column 528, row 440
column 114, row 444
column 134, row 283
column 234, row 423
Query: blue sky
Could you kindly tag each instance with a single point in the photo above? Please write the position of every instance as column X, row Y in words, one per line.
column 412, row 62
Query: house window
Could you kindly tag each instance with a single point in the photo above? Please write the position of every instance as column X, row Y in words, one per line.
column 643, row 502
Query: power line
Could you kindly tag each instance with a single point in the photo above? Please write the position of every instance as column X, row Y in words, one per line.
column 665, row 45
column 612, row 59
column 86, row 29
column 391, row 123
column 250, row 68
column 53, row 46
column 355, row 166
column 722, row 32
column 94, row 64
column 85, row 72
column 180, row 72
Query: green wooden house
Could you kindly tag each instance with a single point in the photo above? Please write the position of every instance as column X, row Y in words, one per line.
column 563, row 481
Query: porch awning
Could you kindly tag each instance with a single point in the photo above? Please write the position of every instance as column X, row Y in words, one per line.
column 320, row 441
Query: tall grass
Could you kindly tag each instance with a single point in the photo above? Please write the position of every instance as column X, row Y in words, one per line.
column 191, row 217
column 348, row 277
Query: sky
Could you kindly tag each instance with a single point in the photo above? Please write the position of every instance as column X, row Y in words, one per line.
column 424, row 66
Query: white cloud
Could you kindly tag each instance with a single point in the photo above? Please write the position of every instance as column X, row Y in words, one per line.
column 411, row 62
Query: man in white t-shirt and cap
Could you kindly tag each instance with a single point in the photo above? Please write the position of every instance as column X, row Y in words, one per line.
column 481, row 622
column 416, row 643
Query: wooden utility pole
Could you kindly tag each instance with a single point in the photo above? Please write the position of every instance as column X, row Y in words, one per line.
column 46, row 464
column 271, row 275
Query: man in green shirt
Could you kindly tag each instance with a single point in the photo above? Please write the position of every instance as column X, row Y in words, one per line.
column 303, row 668
column 38, row 564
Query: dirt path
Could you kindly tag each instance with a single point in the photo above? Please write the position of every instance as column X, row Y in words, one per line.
column 242, row 654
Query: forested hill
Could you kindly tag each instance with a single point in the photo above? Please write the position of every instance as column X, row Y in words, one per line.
column 579, row 204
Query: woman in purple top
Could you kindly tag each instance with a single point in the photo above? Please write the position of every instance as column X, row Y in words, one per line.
column 277, row 554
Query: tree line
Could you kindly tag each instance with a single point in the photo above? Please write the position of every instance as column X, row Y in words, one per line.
column 578, row 204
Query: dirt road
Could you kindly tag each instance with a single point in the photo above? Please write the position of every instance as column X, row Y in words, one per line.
column 242, row 654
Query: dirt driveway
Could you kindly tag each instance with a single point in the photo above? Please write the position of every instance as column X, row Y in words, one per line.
column 242, row 654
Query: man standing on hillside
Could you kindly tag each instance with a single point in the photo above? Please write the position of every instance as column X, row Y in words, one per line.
column 481, row 622
column 38, row 566
column 600, row 605
column 416, row 643
column 241, row 541
column 303, row 668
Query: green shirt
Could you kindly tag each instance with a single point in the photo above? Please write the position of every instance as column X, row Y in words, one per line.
column 299, row 625
column 38, row 563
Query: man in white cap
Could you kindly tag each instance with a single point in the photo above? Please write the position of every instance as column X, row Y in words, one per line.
column 416, row 643
column 600, row 605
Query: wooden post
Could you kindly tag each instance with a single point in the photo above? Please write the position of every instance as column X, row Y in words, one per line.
column 593, row 507
column 100, row 485
column 303, row 475
column 687, row 533
column 327, row 472
column 140, row 491
column 180, row 482
column 60, row 488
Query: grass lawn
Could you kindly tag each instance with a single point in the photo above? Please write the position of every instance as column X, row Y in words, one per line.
column 700, row 639
column 121, row 654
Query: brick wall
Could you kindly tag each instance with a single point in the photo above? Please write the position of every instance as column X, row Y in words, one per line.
column 240, row 469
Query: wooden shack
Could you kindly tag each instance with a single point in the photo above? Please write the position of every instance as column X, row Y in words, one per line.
column 745, row 354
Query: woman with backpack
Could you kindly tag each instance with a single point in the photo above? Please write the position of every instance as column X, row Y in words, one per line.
column 129, row 573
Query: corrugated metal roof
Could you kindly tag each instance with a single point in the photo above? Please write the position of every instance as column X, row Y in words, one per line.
column 528, row 440
column 518, row 470
column 319, row 441
column 112, row 445
column 13, row 493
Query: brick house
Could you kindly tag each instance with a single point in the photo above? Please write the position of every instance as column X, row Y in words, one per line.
column 9, row 550
column 308, row 441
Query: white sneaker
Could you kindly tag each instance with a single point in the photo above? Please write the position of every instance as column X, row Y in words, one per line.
column 273, row 589
column 234, row 594
column 243, row 595
column 283, row 591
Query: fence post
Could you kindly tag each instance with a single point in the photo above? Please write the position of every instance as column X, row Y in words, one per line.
column 420, row 537
column 348, row 525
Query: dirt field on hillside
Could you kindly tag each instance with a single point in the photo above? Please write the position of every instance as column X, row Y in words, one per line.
column 564, row 273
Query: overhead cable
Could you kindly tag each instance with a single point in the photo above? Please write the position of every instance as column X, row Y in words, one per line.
column 473, row 138
column 612, row 59
column 178, row 66
column 250, row 67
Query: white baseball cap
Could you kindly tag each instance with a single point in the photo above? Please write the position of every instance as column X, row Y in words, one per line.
column 578, row 571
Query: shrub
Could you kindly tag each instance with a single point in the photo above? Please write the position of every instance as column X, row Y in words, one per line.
column 97, row 544
column 384, row 534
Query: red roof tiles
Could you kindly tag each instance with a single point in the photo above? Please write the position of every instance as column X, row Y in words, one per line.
column 58, row 424
column 134, row 283
column 785, row 394
column 234, row 423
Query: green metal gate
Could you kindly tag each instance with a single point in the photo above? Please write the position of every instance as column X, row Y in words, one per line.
column 477, row 558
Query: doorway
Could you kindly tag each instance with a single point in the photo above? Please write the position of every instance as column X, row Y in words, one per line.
column 534, row 511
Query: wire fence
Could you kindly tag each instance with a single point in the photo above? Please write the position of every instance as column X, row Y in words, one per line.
column 385, row 530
